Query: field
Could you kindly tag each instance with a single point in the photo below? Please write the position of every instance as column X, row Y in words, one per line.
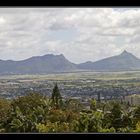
column 78, row 75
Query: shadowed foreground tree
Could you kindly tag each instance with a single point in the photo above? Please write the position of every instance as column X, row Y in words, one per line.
column 5, row 109
column 116, row 113
column 5, row 112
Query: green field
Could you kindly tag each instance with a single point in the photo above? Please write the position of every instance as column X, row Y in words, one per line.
column 79, row 75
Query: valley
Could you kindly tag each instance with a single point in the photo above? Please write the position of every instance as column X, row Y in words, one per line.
column 82, row 85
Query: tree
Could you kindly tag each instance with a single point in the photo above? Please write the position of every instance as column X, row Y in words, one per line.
column 73, row 105
column 89, row 122
column 101, row 105
column 30, row 102
column 137, row 114
column 56, row 97
column 27, row 111
column 99, row 97
column 5, row 108
column 93, row 105
column 5, row 113
column 54, row 127
column 116, row 113
column 137, row 129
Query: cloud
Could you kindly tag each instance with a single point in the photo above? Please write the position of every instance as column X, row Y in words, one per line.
column 81, row 34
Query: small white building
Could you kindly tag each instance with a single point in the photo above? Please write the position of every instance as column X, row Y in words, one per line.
column 133, row 99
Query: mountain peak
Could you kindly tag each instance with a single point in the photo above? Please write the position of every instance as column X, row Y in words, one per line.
column 125, row 53
column 122, row 62
column 61, row 55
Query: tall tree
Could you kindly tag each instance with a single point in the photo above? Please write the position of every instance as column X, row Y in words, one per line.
column 99, row 96
column 56, row 96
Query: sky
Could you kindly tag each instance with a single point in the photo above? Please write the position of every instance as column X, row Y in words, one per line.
column 80, row 34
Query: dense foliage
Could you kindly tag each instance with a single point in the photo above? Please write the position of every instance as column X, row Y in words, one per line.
column 37, row 113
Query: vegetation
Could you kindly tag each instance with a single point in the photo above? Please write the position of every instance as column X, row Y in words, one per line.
column 56, row 97
column 38, row 113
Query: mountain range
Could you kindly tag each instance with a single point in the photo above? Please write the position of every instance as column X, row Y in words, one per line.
column 58, row 63
column 123, row 62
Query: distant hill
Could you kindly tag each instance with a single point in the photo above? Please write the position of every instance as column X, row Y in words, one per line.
column 124, row 61
column 58, row 63
column 37, row 65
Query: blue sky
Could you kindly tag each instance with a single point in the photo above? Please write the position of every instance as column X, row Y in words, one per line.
column 81, row 34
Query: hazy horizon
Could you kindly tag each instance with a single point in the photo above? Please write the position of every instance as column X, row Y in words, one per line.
column 65, row 57
column 80, row 34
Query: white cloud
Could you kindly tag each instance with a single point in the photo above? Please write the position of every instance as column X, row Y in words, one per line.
column 95, row 33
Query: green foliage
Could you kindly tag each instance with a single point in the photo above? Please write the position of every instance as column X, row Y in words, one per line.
column 101, row 105
column 93, row 104
column 5, row 109
column 107, row 121
column 16, row 123
column 31, row 101
column 137, row 114
column 62, row 116
column 89, row 122
column 115, row 116
column 125, row 130
column 5, row 113
column 28, row 110
column 73, row 105
column 137, row 127
column 54, row 127
column 111, row 130
column 127, row 119
column 109, row 105
column 20, row 122
column 38, row 113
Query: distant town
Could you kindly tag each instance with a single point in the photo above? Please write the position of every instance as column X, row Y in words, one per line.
column 81, row 86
